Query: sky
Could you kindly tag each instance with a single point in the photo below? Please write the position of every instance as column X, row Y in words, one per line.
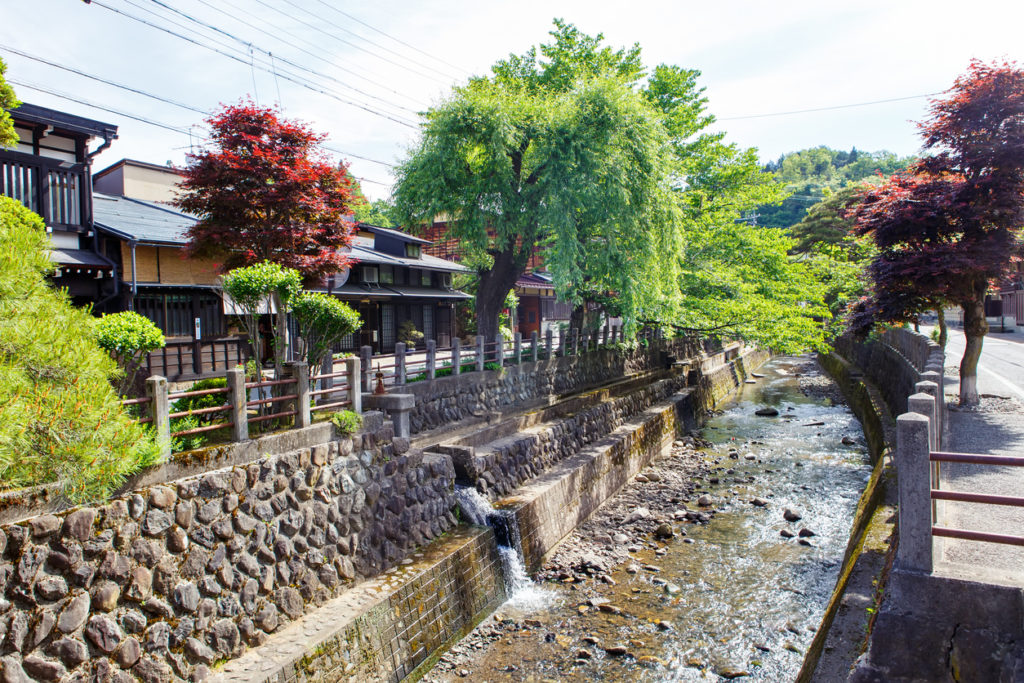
column 362, row 72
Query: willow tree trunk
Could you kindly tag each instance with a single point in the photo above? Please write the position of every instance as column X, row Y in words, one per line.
column 975, row 329
column 495, row 284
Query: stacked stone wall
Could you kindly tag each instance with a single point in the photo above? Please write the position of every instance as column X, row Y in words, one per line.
column 165, row 582
column 448, row 399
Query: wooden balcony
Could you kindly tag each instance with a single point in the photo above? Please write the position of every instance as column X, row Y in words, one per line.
column 56, row 190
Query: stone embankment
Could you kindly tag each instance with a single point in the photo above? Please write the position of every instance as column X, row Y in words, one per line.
column 171, row 579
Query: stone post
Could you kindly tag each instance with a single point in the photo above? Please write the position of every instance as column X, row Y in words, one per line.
column 575, row 342
column 533, row 346
column 604, row 336
column 549, row 346
column 499, row 349
column 160, row 410
column 353, row 374
column 915, row 510
column 399, row 363
column 479, row 353
column 237, row 397
column 940, row 408
column 560, row 351
column 366, row 354
column 924, row 404
column 517, row 347
column 431, row 359
column 299, row 371
column 456, row 356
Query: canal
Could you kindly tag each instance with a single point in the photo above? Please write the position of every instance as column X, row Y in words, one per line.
column 759, row 508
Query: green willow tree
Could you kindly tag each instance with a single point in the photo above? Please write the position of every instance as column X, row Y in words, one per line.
column 574, row 150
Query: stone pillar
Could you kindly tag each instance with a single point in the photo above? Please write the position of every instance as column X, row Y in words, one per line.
column 456, row 356
column 160, row 410
column 479, row 353
column 397, row 406
column 924, row 404
column 399, row 363
column 575, row 342
column 940, row 407
column 915, row 509
column 353, row 374
column 932, row 389
column 237, row 397
column 431, row 359
column 517, row 347
column 604, row 336
column 499, row 349
column 548, row 345
column 560, row 351
column 366, row 355
column 299, row 371
column 533, row 346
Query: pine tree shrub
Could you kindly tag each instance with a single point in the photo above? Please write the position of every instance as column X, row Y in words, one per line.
column 60, row 418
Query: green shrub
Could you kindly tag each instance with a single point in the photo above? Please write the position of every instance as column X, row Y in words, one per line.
column 347, row 422
column 128, row 337
column 253, row 289
column 190, row 403
column 188, row 442
column 60, row 419
column 408, row 334
column 206, row 401
column 322, row 320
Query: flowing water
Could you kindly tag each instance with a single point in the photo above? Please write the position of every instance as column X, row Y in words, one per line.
column 741, row 598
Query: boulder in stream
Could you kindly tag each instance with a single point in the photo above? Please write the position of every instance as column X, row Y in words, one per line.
column 767, row 412
column 791, row 515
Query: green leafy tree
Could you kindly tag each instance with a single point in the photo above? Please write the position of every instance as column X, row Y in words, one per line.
column 322, row 320
column 256, row 290
column 128, row 337
column 8, row 136
column 60, row 418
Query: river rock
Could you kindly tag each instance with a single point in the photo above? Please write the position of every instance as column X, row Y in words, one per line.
column 847, row 441
column 786, row 533
column 638, row 514
column 653, row 476
column 806, row 533
column 616, row 651
column 766, row 412
column 621, row 539
column 730, row 672
column 641, row 478
column 705, row 501
column 791, row 516
column 664, row 531
column 759, row 502
column 672, row 588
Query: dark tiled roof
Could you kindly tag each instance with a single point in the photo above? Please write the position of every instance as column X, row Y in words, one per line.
column 51, row 117
column 79, row 257
column 397, row 234
column 141, row 221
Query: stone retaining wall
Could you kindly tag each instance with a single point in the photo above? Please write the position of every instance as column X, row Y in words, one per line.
column 164, row 582
column 449, row 399
column 883, row 362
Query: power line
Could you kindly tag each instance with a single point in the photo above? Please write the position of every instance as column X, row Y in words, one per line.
column 304, row 84
column 838, row 106
column 159, row 98
column 252, row 47
column 358, row 47
column 279, row 30
column 387, row 35
column 355, row 35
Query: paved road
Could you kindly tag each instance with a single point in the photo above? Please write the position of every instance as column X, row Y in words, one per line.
column 996, row 428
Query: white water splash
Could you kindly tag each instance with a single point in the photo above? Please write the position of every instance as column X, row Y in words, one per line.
column 522, row 593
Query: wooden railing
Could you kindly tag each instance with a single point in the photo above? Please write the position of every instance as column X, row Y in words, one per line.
column 193, row 359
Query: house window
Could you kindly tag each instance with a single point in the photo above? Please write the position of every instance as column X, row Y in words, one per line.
column 387, row 275
column 428, row 321
column 387, row 327
column 532, row 316
column 425, row 278
column 412, row 250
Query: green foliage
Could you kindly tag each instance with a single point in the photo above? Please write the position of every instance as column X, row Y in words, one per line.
column 60, row 418
column 408, row 334
column 347, row 422
column 378, row 212
column 188, row 442
column 8, row 100
column 190, row 403
column 254, row 288
column 813, row 175
column 322, row 320
column 128, row 337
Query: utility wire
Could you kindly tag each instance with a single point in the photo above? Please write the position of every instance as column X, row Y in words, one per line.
column 252, row 46
column 838, row 106
column 304, row 84
column 355, row 35
column 276, row 35
column 154, row 96
column 387, row 35
column 347, row 42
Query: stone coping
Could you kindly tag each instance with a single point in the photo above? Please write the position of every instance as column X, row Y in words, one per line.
column 276, row 659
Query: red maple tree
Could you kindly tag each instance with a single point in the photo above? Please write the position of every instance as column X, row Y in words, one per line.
column 951, row 225
column 264, row 191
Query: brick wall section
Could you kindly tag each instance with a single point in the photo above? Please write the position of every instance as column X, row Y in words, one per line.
column 163, row 582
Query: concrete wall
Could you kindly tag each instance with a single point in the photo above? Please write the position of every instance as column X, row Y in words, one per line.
column 167, row 580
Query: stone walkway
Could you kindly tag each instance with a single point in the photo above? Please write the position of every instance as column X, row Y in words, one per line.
column 995, row 428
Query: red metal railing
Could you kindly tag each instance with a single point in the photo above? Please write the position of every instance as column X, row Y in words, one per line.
column 272, row 400
column 982, row 498
column 199, row 411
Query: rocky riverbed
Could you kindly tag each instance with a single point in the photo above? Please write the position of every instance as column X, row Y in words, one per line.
column 714, row 563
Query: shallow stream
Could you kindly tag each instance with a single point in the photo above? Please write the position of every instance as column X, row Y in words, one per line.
column 729, row 598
